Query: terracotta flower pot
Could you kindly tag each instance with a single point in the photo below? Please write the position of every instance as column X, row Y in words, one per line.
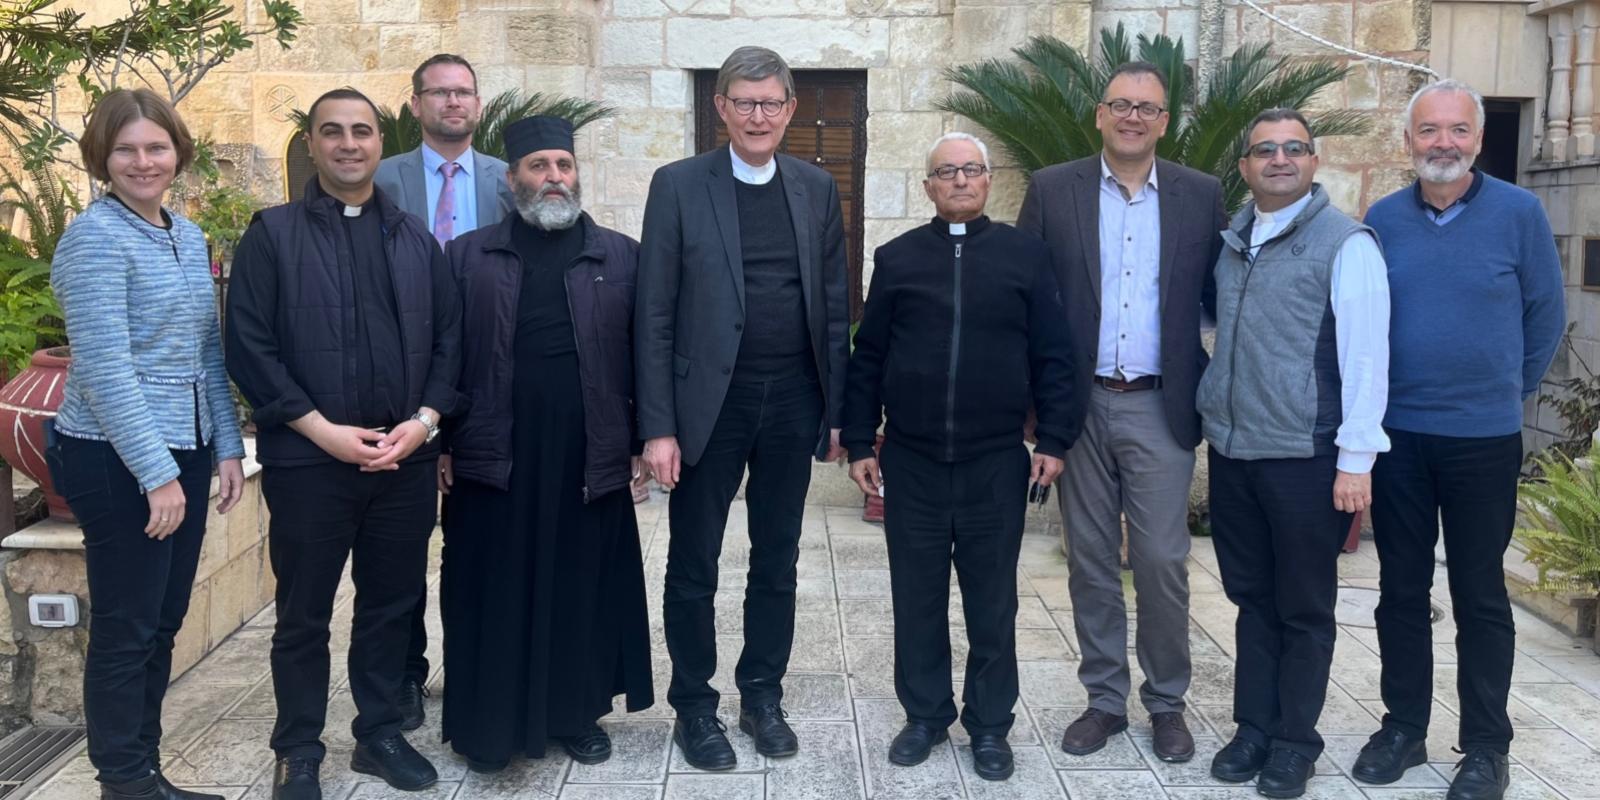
column 25, row 403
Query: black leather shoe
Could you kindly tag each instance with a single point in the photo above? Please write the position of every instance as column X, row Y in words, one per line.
column 412, row 714
column 1387, row 755
column 704, row 743
column 590, row 747
column 487, row 767
column 395, row 761
column 296, row 779
column 774, row 737
column 991, row 757
column 914, row 742
column 154, row 787
column 1482, row 774
column 1238, row 761
column 1285, row 774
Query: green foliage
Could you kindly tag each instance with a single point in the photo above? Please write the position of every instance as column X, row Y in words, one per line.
column 30, row 318
column 1561, row 515
column 402, row 132
column 223, row 213
column 47, row 199
column 1578, row 403
column 1041, row 107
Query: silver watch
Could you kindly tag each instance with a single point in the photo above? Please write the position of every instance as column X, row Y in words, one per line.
column 430, row 425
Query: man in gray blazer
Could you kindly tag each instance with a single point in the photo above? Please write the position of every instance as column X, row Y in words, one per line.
column 741, row 343
column 1134, row 239
column 454, row 189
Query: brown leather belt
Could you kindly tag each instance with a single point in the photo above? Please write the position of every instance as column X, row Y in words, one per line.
column 1136, row 385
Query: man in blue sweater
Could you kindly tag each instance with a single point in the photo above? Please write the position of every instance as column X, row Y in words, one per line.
column 1477, row 314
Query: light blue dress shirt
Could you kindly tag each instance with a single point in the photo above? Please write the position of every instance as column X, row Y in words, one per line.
column 1130, row 271
column 466, row 207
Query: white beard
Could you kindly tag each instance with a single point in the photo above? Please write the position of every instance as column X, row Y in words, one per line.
column 1431, row 172
column 550, row 213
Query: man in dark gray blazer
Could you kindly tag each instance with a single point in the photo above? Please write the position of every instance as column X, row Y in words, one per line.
column 454, row 189
column 741, row 346
column 1134, row 240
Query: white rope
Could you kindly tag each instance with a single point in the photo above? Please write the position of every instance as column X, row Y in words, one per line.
column 1341, row 48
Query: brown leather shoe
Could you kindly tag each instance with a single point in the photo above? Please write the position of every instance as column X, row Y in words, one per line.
column 1089, row 732
column 1172, row 740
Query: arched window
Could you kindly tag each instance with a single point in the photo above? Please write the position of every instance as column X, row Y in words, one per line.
column 297, row 167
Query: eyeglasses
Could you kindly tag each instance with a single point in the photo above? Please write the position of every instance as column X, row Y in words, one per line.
column 1122, row 108
column 947, row 172
column 745, row 106
column 438, row 93
column 1294, row 148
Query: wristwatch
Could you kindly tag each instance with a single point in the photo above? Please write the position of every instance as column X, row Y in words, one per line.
column 428, row 423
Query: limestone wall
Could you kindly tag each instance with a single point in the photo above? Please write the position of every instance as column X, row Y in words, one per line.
column 1571, row 196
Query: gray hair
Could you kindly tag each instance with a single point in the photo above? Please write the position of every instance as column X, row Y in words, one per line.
column 1447, row 85
column 957, row 136
column 754, row 64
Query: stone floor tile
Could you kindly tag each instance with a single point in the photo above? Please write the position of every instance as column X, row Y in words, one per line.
column 610, row 792
column 1023, row 732
column 190, row 708
column 1216, row 616
column 870, row 664
column 1566, row 705
column 1031, row 613
column 817, row 696
column 378, row 790
column 68, row 785
column 1322, row 787
column 1050, row 684
column 241, row 660
column 1038, row 644
column 1034, row 779
column 859, row 552
column 337, row 779
column 1211, row 680
column 828, row 766
column 1363, row 563
column 853, row 583
column 229, row 753
column 1202, row 582
column 638, row 754
column 744, row 747
column 523, row 779
column 1109, row 784
column 716, row 787
column 1342, row 751
column 816, row 644
column 1583, row 669
column 1528, row 669
column 815, row 595
column 1564, row 762
column 938, row 778
column 1054, row 594
column 258, row 703
column 842, row 521
column 867, row 617
column 1118, row 754
column 1343, row 714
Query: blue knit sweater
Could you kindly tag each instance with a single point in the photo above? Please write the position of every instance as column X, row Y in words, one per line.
column 1477, row 310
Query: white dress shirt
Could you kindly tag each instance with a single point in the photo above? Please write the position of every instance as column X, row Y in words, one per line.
column 1360, row 299
column 1130, row 273
column 758, row 176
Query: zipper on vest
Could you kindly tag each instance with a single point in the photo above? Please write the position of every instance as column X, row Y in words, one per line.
column 577, row 348
column 955, row 350
column 1233, row 348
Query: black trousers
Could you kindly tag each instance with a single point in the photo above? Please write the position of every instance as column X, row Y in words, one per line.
column 321, row 515
column 417, row 667
column 1277, row 537
column 1472, row 483
column 138, row 595
column 970, row 512
column 771, row 428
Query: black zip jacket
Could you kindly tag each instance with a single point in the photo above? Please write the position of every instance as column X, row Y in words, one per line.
column 960, row 335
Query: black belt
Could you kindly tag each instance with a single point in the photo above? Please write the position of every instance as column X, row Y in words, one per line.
column 1136, row 385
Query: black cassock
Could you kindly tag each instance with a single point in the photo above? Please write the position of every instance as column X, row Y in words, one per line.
column 543, row 595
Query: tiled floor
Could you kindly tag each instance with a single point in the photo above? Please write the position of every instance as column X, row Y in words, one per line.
column 840, row 697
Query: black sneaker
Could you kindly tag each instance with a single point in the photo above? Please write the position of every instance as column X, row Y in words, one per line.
column 1482, row 774
column 773, row 736
column 395, row 761
column 1387, row 755
column 296, row 779
column 412, row 715
column 1238, row 761
column 1285, row 774
column 590, row 747
column 704, row 743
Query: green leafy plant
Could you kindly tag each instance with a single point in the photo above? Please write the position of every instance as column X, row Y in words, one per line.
column 30, row 318
column 402, row 132
column 1578, row 403
column 223, row 212
column 1040, row 107
column 1561, row 523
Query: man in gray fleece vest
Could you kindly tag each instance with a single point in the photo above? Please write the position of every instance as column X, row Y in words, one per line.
column 1292, row 405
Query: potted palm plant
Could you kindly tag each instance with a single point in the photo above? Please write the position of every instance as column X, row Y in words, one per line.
column 1560, row 526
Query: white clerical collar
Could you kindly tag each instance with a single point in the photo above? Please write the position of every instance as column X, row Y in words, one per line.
column 1282, row 215
column 745, row 173
column 352, row 211
column 958, row 229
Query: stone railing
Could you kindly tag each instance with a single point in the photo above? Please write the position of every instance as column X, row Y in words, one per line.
column 41, row 669
column 1570, row 109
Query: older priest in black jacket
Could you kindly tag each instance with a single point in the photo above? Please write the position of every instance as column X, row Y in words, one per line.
column 543, row 578
column 344, row 335
column 963, row 330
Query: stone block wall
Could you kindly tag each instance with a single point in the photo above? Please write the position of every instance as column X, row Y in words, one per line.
column 1571, row 196
column 41, row 669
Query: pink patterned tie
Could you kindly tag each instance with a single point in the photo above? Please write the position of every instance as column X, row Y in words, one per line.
column 444, row 216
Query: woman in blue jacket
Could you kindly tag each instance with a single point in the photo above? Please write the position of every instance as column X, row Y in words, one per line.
column 146, row 415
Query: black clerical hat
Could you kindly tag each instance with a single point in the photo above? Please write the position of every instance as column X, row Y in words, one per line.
column 532, row 134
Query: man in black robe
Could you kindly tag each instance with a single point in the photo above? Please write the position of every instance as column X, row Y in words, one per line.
column 543, row 578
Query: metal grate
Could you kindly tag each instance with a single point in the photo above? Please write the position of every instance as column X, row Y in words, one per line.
column 28, row 752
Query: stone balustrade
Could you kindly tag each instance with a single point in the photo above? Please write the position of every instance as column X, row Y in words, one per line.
column 1573, row 28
